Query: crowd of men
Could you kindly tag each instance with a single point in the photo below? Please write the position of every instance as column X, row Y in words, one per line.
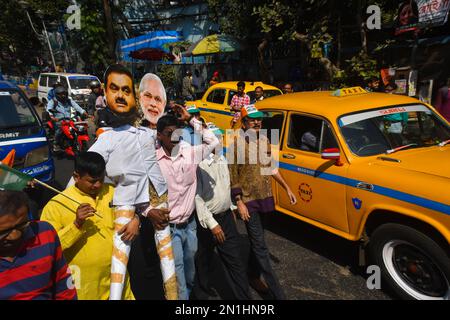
column 113, row 206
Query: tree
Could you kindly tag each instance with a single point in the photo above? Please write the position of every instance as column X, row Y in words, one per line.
column 312, row 24
column 20, row 45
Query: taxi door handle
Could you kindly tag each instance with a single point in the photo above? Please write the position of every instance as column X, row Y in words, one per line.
column 288, row 156
column 365, row 186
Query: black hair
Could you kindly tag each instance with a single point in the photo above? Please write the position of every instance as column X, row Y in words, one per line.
column 60, row 89
column 166, row 121
column 120, row 69
column 414, row 8
column 91, row 163
column 12, row 201
column 241, row 84
column 259, row 88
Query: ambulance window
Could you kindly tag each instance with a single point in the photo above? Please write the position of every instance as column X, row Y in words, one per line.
column 52, row 80
column 64, row 82
column 43, row 81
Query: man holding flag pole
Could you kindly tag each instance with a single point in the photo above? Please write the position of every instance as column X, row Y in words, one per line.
column 86, row 239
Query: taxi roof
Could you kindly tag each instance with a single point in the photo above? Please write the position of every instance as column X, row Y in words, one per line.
column 325, row 104
column 249, row 85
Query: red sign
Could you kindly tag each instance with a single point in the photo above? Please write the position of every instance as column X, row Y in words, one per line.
column 305, row 192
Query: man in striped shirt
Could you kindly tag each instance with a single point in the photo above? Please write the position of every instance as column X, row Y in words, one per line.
column 32, row 266
column 239, row 100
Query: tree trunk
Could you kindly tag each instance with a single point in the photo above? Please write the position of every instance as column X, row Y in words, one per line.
column 328, row 65
column 109, row 30
column 362, row 27
column 262, row 64
column 339, row 41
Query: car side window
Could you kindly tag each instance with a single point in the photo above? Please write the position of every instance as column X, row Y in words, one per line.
column 64, row 82
column 230, row 96
column 310, row 134
column 273, row 123
column 328, row 140
column 52, row 80
column 43, row 81
column 210, row 97
column 216, row 96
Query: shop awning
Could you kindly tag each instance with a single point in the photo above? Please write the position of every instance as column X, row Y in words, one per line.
column 153, row 42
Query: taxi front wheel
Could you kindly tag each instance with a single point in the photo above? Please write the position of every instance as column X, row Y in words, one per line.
column 413, row 265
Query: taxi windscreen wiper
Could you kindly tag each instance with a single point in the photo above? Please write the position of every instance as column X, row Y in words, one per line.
column 401, row 148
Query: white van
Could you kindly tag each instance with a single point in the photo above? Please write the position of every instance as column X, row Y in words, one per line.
column 77, row 85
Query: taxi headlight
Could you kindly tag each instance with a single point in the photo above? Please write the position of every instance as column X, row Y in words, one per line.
column 36, row 156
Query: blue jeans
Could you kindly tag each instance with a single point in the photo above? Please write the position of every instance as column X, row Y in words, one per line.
column 184, row 245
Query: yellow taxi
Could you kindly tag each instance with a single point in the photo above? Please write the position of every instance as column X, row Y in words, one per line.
column 372, row 168
column 215, row 103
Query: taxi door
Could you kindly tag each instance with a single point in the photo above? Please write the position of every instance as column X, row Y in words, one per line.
column 213, row 108
column 319, row 184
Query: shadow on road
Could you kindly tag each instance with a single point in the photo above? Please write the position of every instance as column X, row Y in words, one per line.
column 334, row 248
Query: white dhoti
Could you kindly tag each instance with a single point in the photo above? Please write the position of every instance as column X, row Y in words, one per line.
column 121, row 251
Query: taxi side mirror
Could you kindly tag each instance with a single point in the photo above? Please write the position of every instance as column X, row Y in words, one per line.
column 332, row 154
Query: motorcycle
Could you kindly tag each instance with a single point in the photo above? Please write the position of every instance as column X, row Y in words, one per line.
column 74, row 137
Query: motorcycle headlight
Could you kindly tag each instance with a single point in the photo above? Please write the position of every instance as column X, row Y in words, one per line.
column 36, row 156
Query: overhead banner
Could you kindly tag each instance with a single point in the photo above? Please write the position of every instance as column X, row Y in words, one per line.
column 413, row 15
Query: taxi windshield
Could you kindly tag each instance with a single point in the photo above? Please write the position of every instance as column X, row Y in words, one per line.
column 15, row 111
column 393, row 129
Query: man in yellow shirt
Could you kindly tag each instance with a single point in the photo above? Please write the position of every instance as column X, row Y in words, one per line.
column 87, row 239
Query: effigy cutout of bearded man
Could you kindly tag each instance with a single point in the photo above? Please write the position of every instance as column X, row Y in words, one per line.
column 152, row 101
column 131, row 165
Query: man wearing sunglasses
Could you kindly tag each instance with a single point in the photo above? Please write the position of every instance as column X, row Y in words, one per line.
column 32, row 265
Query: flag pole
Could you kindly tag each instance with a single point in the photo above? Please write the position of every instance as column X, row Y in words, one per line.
column 59, row 192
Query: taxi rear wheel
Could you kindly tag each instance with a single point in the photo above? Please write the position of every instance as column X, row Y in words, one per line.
column 412, row 264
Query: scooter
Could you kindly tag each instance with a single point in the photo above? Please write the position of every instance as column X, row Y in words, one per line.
column 74, row 137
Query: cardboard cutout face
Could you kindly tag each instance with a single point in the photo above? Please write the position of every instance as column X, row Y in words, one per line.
column 152, row 101
column 119, row 93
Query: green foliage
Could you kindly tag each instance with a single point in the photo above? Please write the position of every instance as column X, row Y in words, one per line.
column 91, row 40
column 19, row 45
column 272, row 15
column 167, row 74
column 182, row 45
column 359, row 69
